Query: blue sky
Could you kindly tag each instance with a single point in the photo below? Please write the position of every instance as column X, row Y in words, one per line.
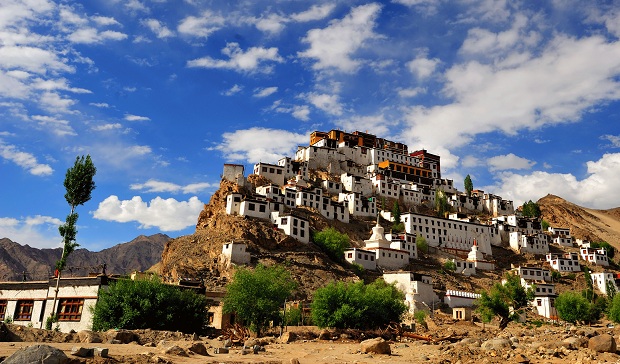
column 521, row 95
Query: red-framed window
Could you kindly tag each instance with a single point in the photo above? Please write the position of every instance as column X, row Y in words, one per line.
column 70, row 309
column 23, row 310
column 2, row 309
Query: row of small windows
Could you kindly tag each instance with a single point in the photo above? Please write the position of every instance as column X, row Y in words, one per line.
column 69, row 309
column 271, row 170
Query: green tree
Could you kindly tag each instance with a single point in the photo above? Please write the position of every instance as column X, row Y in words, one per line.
column 613, row 312
column 449, row 266
column 421, row 243
column 149, row 304
column 469, row 185
column 505, row 300
column 545, row 225
column 441, row 203
column 574, row 307
column 397, row 224
column 257, row 296
column 530, row 209
column 332, row 242
column 588, row 293
column 79, row 185
column 356, row 305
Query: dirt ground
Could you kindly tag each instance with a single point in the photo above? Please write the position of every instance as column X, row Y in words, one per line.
column 456, row 342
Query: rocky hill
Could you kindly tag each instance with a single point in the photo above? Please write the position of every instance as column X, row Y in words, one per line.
column 584, row 223
column 38, row 264
column 196, row 256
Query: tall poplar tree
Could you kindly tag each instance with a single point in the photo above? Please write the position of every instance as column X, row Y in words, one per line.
column 79, row 185
column 469, row 185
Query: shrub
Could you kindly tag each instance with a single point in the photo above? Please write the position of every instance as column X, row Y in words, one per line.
column 505, row 300
column 555, row 275
column 611, row 251
column 449, row 266
column 573, row 307
column 149, row 304
column 613, row 313
column 420, row 317
column 421, row 244
column 332, row 242
column 256, row 297
column 293, row 317
column 356, row 305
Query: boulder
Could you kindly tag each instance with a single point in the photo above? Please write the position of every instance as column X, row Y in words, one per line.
column 88, row 337
column 175, row 350
column 122, row 336
column 375, row 346
column 575, row 343
column 82, row 351
column 325, row 335
column 288, row 337
column 604, row 343
column 198, row 348
column 497, row 344
column 40, row 353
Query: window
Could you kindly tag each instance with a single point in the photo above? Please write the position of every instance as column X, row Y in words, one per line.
column 349, row 255
column 2, row 309
column 261, row 208
column 70, row 309
column 251, row 207
column 23, row 310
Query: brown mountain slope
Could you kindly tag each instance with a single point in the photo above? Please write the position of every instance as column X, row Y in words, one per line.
column 587, row 224
column 138, row 254
column 195, row 256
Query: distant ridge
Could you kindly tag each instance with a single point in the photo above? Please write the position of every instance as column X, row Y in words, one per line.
column 38, row 264
column 585, row 223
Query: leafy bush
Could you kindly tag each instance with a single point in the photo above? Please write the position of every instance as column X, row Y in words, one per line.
column 613, row 312
column 332, row 242
column 530, row 209
column 356, row 305
column 293, row 317
column 449, row 266
column 573, row 307
column 149, row 304
column 420, row 317
column 50, row 321
column 256, row 297
column 611, row 251
column 555, row 275
column 421, row 244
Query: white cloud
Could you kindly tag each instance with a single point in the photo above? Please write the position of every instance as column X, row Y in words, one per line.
column 53, row 102
column 202, row 26
column 31, row 59
column 155, row 186
column 613, row 139
column 250, row 61
column 130, row 117
column 411, row 92
column 423, row 67
column 36, row 231
column 428, row 7
column 271, row 23
column 566, row 79
column 233, row 90
column 260, row 144
column 136, row 6
column 264, row 92
column 88, row 35
column 301, row 112
column 509, row 161
column 328, row 103
column 160, row 30
column 25, row 160
column 102, row 105
column 470, row 161
column 57, row 126
column 316, row 12
column 596, row 190
column 375, row 124
column 104, row 20
column 333, row 47
column 106, row 127
column 164, row 214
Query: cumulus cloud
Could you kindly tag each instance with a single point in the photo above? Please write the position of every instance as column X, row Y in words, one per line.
column 249, row 61
column 158, row 28
column 259, row 144
column 164, row 214
column 264, row 92
column 89, row 35
column 334, row 46
column 155, row 186
column 31, row 59
column 37, row 231
column 376, row 124
column 328, row 103
column 235, row 89
column 57, row 126
column 316, row 12
column 411, row 92
column 566, row 79
column 596, row 190
column 25, row 160
column 106, row 127
column 130, row 117
column 201, row 26
column 422, row 67
column 509, row 161
column 614, row 140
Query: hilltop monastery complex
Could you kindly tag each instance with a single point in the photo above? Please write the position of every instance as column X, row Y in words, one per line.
column 357, row 175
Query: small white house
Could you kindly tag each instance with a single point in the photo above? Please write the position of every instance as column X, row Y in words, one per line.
column 533, row 273
column 603, row 280
column 235, row 253
column 30, row 303
column 418, row 289
column 293, row 226
column 594, row 256
column 272, row 172
column 365, row 258
column 529, row 243
column 460, row 299
column 566, row 263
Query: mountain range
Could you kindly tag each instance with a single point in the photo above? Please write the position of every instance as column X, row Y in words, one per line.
column 23, row 262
